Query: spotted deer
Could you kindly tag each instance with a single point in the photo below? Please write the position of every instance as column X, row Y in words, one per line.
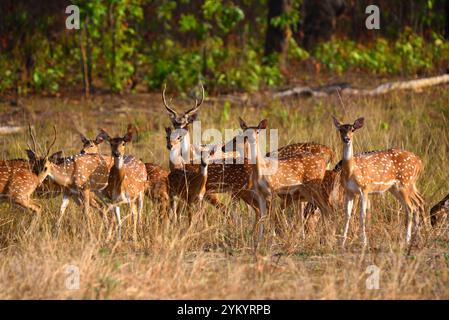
column 20, row 178
column 182, row 121
column 301, row 173
column 222, row 177
column 49, row 188
column 394, row 170
column 127, row 179
column 190, row 186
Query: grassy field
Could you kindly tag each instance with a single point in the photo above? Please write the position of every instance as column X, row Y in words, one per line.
column 216, row 261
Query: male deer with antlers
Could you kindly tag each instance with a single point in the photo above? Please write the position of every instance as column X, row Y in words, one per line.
column 20, row 178
column 393, row 170
column 127, row 179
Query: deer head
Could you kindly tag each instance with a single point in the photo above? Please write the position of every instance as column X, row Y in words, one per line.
column 249, row 134
column 91, row 146
column 347, row 130
column 183, row 119
column 41, row 165
column 174, row 137
column 118, row 144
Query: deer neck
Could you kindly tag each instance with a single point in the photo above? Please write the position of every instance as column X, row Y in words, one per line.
column 186, row 148
column 116, row 177
column 260, row 162
column 176, row 159
column 62, row 174
column 348, row 159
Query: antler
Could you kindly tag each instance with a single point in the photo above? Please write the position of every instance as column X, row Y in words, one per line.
column 53, row 142
column 197, row 104
column 170, row 110
column 33, row 138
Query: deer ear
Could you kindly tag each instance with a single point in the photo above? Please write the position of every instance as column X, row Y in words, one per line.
column 55, row 156
column 129, row 133
column 31, row 155
column 337, row 123
column 84, row 139
column 104, row 135
column 243, row 124
column 99, row 139
column 168, row 131
column 263, row 124
column 192, row 117
column 358, row 123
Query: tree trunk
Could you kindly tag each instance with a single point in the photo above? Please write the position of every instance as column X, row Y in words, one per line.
column 319, row 20
column 446, row 19
column 276, row 38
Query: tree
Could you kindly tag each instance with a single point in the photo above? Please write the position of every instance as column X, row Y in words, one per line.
column 276, row 38
column 319, row 20
column 446, row 19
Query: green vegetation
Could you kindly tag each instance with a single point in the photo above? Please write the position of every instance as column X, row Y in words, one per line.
column 125, row 43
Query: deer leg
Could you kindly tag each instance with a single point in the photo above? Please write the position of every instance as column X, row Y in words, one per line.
column 349, row 202
column 174, row 200
column 64, row 205
column 86, row 199
column 27, row 203
column 139, row 208
column 262, row 204
column 119, row 222
column 134, row 214
column 363, row 207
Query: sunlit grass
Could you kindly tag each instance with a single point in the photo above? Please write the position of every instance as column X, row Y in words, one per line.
column 216, row 259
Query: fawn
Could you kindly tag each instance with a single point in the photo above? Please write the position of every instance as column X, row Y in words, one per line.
column 394, row 170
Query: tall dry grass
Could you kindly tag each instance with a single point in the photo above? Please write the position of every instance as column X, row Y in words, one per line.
column 215, row 259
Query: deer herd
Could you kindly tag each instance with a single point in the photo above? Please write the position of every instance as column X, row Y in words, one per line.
column 295, row 173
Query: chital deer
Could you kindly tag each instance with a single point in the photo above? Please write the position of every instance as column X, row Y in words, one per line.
column 222, row 177
column 393, row 170
column 190, row 186
column 49, row 188
column 20, row 178
column 157, row 183
column 78, row 176
column 301, row 173
column 181, row 121
column 288, row 151
column 127, row 179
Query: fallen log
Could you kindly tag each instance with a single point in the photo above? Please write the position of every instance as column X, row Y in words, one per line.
column 345, row 88
column 10, row 129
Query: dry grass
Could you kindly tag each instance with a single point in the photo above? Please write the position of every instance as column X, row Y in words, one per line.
column 216, row 260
